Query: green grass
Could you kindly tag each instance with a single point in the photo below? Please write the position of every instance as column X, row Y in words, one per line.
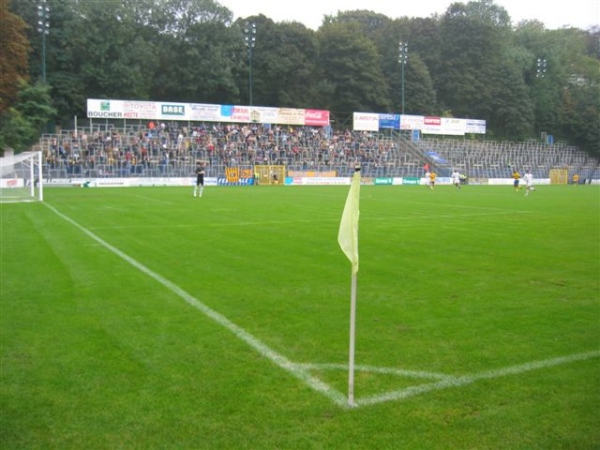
column 98, row 354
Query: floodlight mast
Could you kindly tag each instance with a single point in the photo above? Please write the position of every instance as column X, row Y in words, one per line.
column 250, row 41
column 402, row 59
column 43, row 27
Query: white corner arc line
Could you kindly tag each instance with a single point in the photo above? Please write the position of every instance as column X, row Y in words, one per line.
column 334, row 395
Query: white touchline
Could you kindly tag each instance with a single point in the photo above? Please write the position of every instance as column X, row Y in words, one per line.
column 301, row 371
column 316, row 384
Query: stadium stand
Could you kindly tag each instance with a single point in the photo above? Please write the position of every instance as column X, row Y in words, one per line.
column 171, row 151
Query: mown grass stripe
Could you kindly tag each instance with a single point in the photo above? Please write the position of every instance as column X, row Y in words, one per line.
column 280, row 360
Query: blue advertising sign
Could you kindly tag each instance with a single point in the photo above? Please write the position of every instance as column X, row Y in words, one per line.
column 389, row 121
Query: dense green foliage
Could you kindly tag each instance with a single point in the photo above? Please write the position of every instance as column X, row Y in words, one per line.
column 14, row 56
column 469, row 62
column 481, row 284
column 22, row 124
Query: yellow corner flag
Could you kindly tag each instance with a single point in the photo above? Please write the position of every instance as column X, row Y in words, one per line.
column 348, row 234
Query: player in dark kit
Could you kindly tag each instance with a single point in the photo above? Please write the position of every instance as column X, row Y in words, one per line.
column 199, row 179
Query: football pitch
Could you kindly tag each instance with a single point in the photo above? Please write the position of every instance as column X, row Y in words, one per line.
column 145, row 318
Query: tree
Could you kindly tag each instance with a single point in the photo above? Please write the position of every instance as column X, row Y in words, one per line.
column 284, row 65
column 13, row 57
column 113, row 55
column 350, row 62
column 176, row 17
column 473, row 55
column 420, row 97
column 581, row 117
column 468, row 62
column 565, row 91
column 486, row 11
column 512, row 117
column 22, row 124
column 198, row 66
column 370, row 22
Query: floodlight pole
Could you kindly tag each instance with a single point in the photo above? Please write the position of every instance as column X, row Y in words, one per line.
column 43, row 27
column 250, row 41
column 402, row 59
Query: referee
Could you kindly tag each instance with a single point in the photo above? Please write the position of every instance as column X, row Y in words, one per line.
column 199, row 179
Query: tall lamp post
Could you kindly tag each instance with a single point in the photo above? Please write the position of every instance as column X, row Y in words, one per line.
column 250, row 41
column 403, row 59
column 43, row 27
column 540, row 72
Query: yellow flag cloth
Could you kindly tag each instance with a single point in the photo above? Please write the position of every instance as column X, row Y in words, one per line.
column 348, row 233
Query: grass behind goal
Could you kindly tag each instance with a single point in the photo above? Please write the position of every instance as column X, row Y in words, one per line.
column 96, row 353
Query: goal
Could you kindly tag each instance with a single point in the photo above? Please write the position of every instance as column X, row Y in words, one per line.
column 559, row 176
column 21, row 177
column 269, row 174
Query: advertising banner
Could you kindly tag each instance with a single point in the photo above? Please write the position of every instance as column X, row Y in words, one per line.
column 366, row 121
column 290, row 116
column 205, row 112
column 390, row 121
column 316, row 117
column 432, row 125
column 143, row 110
column 411, row 181
column 222, row 181
column 11, row 182
column 408, row 122
column 451, row 126
column 475, row 126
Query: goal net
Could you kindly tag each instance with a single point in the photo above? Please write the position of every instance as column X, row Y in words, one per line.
column 559, row 176
column 21, row 177
column 269, row 174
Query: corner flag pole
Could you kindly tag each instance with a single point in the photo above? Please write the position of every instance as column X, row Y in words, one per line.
column 351, row 347
column 348, row 240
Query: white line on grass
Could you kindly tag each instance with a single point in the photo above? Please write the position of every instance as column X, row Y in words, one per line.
column 301, row 371
column 215, row 225
column 316, row 384
column 468, row 379
column 383, row 370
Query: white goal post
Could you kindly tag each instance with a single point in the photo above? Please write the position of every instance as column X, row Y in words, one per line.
column 21, row 177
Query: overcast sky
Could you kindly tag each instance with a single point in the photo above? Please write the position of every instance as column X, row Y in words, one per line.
column 556, row 14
